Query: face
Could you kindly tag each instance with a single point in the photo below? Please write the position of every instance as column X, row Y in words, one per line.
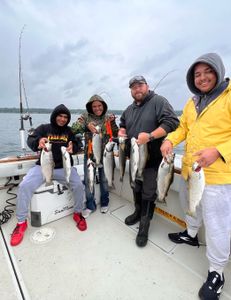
column 61, row 119
column 139, row 91
column 205, row 78
column 97, row 108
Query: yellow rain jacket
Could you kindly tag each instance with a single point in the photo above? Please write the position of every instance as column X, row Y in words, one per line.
column 212, row 128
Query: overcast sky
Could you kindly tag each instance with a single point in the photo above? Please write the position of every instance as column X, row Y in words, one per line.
column 73, row 49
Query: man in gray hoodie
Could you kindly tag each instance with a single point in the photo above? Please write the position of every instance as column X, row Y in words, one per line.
column 205, row 126
column 148, row 119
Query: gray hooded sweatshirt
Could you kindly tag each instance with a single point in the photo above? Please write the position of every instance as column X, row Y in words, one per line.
column 201, row 100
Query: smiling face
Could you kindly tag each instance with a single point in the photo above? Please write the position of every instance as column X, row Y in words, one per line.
column 61, row 119
column 205, row 78
column 97, row 108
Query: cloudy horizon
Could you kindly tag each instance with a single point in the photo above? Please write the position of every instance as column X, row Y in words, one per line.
column 75, row 49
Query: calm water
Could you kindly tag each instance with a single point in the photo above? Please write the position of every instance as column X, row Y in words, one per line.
column 9, row 132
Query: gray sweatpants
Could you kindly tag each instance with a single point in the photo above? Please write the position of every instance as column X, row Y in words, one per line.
column 34, row 179
column 215, row 211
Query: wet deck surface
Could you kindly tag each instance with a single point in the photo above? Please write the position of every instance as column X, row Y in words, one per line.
column 104, row 261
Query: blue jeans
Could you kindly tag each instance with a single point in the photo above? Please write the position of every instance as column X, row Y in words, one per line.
column 104, row 194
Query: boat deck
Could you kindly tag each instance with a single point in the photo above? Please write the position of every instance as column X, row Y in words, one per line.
column 102, row 262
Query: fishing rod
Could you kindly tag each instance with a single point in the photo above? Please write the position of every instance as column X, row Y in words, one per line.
column 26, row 116
column 158, row 83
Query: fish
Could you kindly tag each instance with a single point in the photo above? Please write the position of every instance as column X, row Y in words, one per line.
column 66, row 163
column 47, row 163
column 122, row 157
column 109, row 163
column 90, row 174
column 143, row 156
column 97, row 146
column 134, row 161
column 196, row 188
column 165, row 177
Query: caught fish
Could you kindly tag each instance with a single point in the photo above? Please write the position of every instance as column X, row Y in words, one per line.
column 97, row 146
column 134, row 161
column 109, row 163
column 196, row 188
column 47, row 163
column 165, row 177
column 122, row 157
column 143, row 156
column 90, row 174
column 66, row 163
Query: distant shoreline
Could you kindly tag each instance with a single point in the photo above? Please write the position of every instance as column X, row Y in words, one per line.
column 49, row 110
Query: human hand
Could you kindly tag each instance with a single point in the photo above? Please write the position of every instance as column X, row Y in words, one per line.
column 207, row 156
column 166, row 148
column 122, row 133
column 143, row 138
column 70, row 147
column 42, row 142
column 92, row 127
column 81, row 119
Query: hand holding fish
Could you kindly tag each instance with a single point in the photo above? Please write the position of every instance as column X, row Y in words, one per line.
column 92, row 127
column 70, row 147
column 166, row 148
column 206, row 157
column 81, row 120
column 143, row 138
column 42, row 143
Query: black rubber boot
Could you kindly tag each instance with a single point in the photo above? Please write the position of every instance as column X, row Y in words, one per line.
column 146, row 216
column 142, row 236
column 135, row 217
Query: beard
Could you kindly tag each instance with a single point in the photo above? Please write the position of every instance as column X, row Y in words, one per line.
column 139, row 97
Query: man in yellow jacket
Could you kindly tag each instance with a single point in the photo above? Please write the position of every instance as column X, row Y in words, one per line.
column 205, row 126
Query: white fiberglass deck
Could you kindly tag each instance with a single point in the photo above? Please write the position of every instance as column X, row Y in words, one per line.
column 103, row 262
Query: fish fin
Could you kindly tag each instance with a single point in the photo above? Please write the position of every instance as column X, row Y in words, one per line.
column 162, row 201
column 140, row 177
column 191, row 213
column 132, row 183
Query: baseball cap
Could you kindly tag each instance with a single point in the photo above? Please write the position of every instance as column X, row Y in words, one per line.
column 137, row 79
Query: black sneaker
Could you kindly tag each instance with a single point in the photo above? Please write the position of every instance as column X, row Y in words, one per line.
column 212, row 288
column 183, row 238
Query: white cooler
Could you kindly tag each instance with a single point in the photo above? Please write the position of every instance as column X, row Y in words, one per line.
column 50, row 203
column 53, row 202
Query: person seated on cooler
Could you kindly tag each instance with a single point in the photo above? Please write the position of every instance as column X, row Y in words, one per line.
column 59, row 134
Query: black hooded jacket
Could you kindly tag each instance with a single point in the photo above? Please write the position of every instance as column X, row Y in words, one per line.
column 57, row 135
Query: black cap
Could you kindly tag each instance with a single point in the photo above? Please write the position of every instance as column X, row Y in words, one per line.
column 137, row 79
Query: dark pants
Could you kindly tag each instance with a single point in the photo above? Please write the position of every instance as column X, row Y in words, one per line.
column 145, row 192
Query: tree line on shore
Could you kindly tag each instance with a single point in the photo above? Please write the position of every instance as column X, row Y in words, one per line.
column 49, row 110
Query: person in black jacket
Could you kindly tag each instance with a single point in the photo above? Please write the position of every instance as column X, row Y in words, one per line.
column 148, row 119
column 58, row 133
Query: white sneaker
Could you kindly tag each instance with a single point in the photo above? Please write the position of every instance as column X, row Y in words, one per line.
column 86, row 212
column 104, row 209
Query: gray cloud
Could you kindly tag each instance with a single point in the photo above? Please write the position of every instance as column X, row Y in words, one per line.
column 74, row 49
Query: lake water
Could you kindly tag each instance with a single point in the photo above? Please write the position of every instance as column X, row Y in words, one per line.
column 9, row 132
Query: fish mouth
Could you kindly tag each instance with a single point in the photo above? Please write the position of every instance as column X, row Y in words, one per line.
column 196, row 167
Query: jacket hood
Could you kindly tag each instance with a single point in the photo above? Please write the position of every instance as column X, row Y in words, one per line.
column 215, row 62
column 96, row 98
column 60, row 109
